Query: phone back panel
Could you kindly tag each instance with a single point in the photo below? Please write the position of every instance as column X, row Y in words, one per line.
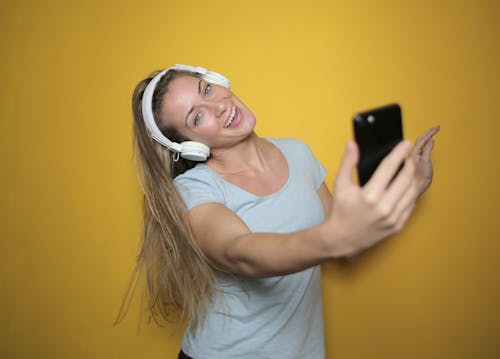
column 376, row 132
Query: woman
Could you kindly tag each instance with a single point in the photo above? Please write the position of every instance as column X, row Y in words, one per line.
column 234, row 241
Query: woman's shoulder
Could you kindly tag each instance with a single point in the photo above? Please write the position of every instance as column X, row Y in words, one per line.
column 199, row 173
column 199, row 185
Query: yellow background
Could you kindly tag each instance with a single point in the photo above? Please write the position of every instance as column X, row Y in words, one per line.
column 70, row 207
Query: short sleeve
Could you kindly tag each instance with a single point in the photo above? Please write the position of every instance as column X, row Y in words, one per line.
column 198, row 186
column 317, row 169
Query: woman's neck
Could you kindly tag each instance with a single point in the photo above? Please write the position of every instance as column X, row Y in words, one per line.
column 252, row 153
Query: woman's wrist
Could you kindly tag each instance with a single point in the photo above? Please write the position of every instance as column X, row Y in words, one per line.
column 334, row 241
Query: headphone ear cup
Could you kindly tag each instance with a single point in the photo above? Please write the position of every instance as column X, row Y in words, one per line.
column 216, row 78
column 194, row 151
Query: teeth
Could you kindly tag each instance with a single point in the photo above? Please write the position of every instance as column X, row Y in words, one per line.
column 231, row 117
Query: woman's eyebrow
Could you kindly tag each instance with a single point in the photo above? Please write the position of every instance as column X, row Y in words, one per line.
column 191, row 109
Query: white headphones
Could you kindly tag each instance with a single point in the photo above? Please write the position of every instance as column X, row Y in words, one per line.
column 190, row 150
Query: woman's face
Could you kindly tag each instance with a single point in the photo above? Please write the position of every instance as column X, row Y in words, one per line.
column 207, row 113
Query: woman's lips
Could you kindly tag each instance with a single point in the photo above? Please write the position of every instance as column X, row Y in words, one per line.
column 237, row 119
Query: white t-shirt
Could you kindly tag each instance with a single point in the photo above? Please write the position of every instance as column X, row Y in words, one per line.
column 275, row 317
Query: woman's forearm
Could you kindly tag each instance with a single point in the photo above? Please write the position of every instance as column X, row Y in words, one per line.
column 270, row 254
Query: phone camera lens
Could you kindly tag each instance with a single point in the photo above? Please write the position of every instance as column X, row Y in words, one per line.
column 371, row 119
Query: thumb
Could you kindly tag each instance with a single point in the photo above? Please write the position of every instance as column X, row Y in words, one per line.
column 347, row 165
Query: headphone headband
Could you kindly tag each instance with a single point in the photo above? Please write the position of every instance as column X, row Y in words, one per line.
column 147, row 102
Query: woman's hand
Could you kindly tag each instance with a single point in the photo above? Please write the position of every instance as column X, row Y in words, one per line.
column 421, row 154
column 363, row 216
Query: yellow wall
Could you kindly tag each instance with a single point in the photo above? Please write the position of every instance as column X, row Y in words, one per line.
column 70, row 207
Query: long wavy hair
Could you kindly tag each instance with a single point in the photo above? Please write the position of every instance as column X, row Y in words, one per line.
column 176, row 277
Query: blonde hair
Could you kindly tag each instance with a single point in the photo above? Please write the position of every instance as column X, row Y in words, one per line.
column 177, row 278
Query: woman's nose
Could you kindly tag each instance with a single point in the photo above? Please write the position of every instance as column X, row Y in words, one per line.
column 220, row 107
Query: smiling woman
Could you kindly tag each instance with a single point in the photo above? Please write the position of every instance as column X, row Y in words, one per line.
column 205, row 112
column 234, row 241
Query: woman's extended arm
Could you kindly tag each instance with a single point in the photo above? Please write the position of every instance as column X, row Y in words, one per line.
column 359, row 218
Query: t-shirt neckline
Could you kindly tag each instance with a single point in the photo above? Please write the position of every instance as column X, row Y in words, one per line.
column 271, row 195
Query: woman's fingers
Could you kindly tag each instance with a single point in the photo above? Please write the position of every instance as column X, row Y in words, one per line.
column 347, row 166
column 405, row 201
column 423, row 139
column 400, row 192
column 403, row 218
column 426, row 152
column 386, row 170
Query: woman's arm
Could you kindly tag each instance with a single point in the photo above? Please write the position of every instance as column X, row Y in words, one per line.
column 358, row 218
column 226, row 240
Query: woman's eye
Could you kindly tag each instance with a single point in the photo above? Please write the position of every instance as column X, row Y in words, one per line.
column 197, row 119
column 208, row 89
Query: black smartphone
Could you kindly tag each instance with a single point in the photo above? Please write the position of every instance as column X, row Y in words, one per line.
column 376, row 132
